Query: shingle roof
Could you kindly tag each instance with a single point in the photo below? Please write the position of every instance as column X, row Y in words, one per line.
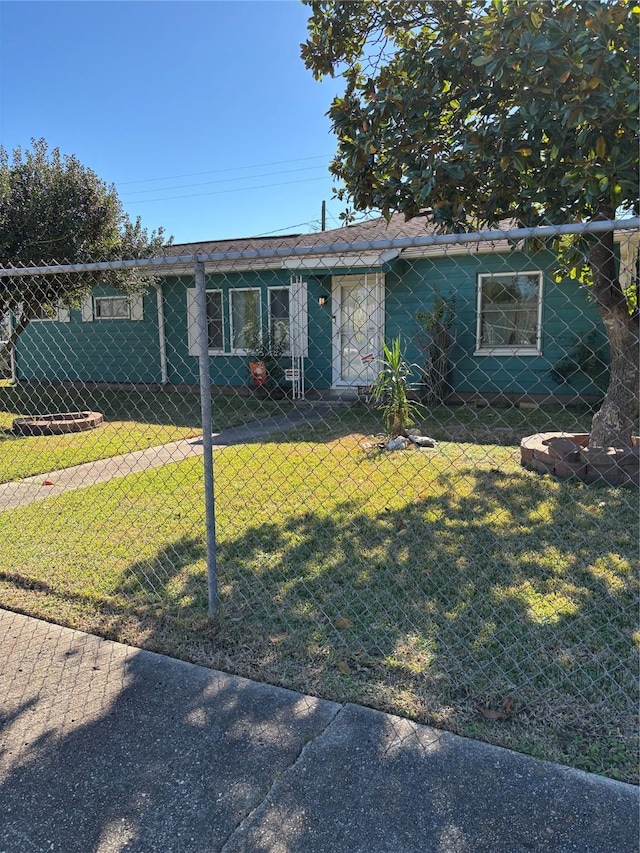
column 369, row 230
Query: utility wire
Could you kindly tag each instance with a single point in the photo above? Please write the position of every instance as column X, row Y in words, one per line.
column 220, row 192
column 287, row 228
column 220, row 171
column 222, row 181
column 363, row 218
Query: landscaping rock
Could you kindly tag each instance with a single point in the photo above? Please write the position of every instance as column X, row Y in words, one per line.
column 399, row 443
column 423, row 441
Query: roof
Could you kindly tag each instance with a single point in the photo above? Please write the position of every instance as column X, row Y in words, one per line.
column 367, row 231
column 350, row 250
column 361, row 245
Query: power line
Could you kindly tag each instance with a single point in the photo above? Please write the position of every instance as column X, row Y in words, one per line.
column 363, row 218
column 286, row 228
column 220, row 171
column 221, row 181
column 220, row 192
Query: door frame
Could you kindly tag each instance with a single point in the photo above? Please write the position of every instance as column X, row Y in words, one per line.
column 377, row 321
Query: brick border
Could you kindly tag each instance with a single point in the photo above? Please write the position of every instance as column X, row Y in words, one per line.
column 57, row 424
column 567, row 455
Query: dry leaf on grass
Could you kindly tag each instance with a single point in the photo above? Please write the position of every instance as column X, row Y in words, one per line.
column 503, row 714
column 344, row 623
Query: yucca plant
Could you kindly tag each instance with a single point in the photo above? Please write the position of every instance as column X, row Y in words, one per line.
column 391, row 391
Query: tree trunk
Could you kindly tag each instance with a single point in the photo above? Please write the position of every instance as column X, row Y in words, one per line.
column 7, row 348
column 613, row 425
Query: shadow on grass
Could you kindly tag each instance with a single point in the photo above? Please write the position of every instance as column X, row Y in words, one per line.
column 432, row 608
column 116, row 749
column 504, row 426
column 428, row 612
column 460, row 423
column 160, row 408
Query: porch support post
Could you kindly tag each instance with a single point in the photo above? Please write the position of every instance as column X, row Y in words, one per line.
column 207, row 443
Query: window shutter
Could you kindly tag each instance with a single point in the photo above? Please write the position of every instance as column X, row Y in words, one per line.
column 64, row 315
column 137, row 308
column 192, row 322
column 87, row 309
column 298, row 317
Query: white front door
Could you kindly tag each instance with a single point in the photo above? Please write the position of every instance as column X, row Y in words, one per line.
column 358, row 321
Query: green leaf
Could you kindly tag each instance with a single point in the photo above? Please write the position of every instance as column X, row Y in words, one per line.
column 537, row 20
column 481, row 60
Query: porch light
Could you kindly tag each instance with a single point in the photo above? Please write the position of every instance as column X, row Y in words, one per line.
column 323, row 299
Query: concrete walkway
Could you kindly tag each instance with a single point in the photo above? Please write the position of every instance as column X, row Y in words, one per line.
column 32, row 489
column 105, row 748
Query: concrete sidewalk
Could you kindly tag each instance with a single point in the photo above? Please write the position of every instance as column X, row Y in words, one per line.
column 107, row 748
column 79, row 476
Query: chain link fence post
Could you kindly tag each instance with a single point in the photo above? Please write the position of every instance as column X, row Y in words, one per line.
column 207, row 441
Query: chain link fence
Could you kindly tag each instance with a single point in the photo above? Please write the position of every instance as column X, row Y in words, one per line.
column 369, row 526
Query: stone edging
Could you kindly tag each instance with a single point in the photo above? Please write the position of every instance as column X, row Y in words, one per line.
column 57, row 424
column 566, row 454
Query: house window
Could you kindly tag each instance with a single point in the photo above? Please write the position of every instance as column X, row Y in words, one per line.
column 111, row 308
column 49, row 313
column 279, row 317
column 44, row 312
column 215, row 320
column 509, row 314
column 245, row 319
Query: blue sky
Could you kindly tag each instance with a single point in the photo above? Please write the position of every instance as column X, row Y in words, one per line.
column 201, row 113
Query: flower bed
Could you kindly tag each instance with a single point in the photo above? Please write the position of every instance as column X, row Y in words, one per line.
column 566, row 454
column 57, row 424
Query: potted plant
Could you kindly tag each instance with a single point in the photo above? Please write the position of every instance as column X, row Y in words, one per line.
column 265, row 351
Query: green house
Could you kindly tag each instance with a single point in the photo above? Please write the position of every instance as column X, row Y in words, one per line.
column 513, row 324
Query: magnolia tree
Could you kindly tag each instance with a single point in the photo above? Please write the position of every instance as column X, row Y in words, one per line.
column 53, row 210
column 473, row 112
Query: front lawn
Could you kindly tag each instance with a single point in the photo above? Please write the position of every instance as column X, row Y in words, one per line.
column 434, row 584
column 134, row 420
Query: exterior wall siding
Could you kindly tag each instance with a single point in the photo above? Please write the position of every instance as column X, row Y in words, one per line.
column 567, row 314
column 233, row 370
column 129, row 350
column 97, row 351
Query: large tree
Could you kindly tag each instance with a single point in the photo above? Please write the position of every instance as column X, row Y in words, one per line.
column 472, row 112
column 54, row 210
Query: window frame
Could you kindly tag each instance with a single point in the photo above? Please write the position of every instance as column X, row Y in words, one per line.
column 286, row 289
column 60, row 315
column 215, row 350
column 98, row 299
column 514, row 349
column 230, row 293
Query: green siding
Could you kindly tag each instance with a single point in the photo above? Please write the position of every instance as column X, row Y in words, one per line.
column 129, row 351
column 567, row 312
column 233, row 370
column 97, row 351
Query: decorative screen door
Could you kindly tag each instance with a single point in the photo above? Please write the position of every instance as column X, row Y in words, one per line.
column 358, row 313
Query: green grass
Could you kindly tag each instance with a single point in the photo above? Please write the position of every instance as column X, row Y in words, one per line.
column 134, row 420
column 460, row 423
column 426, row 583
